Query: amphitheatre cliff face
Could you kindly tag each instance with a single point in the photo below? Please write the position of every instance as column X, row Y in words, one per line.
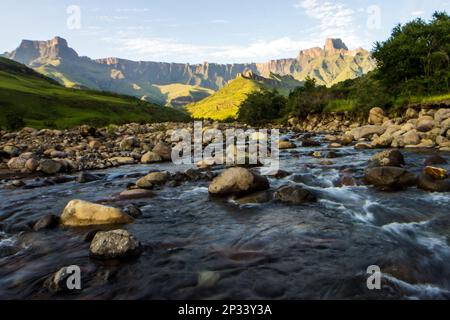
column 328, row 65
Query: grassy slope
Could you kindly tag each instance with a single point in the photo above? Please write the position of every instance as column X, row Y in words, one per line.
column 225, row 103
column 41, row 102
column 92, row 75
column 175, row 91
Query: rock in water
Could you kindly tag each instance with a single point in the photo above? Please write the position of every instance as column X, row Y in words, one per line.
column 390, row 178
column 294, row 195
column 239, row 182
column 57, row 283
column 117, row 244
column 428, row 183
column 47, row 222
column 283, row 145
column 79, row 213
column 436, row 173
column 388, row 158
column 154, row 178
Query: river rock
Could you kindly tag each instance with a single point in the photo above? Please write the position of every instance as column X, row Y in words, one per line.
column 425, row 124
column 411, row 138
column 255, row 198
column 376, row 116
column 48, row 222
column 79, row 213
column 390, row 178
column 32, row 165
column 117, row 244
column 123, row 160
column 238, row 181
column 136, row 194
column 428, row 183
column 128, row 144
column 294, row 195
column 283, row 145
column 152, row 179
column 163, row 150
column 85, row 177
column 17, row 163
column 133, row 211
column 306, row 143
column 441, row 115
column 57, row 283
column 151, row 157
column 388, row 158
column 49, row 166
column 367, row 131
column 436, row 173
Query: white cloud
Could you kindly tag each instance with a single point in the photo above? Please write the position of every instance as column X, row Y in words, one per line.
column 336, row 20
column 219, row 21
column 417, row 13
column 170, row 50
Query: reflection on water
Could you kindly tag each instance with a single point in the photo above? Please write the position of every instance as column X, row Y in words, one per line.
column 264, row 251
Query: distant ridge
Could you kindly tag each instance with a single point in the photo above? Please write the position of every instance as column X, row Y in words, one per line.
column 148, row 80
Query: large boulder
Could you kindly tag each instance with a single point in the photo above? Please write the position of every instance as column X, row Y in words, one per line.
column 436, row 173
column 376, row 116
column 151, row 157
column 17, row 163
column 425, row 124
column 79, row 213
column 411, row 138
column 49, row 166
column 367, row 131
column 128, row 144
column 117, row 244
column 294, row 195
column 428, row 183
column 390, row 178
column 387, row 158
column 441, row 115
column 163, row 150
column 152, row 179
column 238, row 181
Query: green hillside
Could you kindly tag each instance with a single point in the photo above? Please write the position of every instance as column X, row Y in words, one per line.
column 42, row 102
column 225, row 103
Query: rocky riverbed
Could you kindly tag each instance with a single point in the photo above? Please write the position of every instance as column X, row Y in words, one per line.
column 155, row 230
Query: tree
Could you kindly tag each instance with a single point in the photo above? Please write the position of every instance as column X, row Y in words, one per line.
column 261, row 107
column 415, row 59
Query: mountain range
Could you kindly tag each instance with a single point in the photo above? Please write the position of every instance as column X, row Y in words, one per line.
column 179, row 84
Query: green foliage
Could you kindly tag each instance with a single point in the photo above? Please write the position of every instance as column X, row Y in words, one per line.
column 41, row 102
column 415, row 59
column 261, row 107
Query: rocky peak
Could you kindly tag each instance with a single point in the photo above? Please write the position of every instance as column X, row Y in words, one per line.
column 334, row 46
column 29, row 51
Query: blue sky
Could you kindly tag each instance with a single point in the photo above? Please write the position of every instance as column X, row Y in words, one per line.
column 206, row 30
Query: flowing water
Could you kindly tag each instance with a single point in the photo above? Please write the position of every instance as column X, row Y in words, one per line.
column 263, row 251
